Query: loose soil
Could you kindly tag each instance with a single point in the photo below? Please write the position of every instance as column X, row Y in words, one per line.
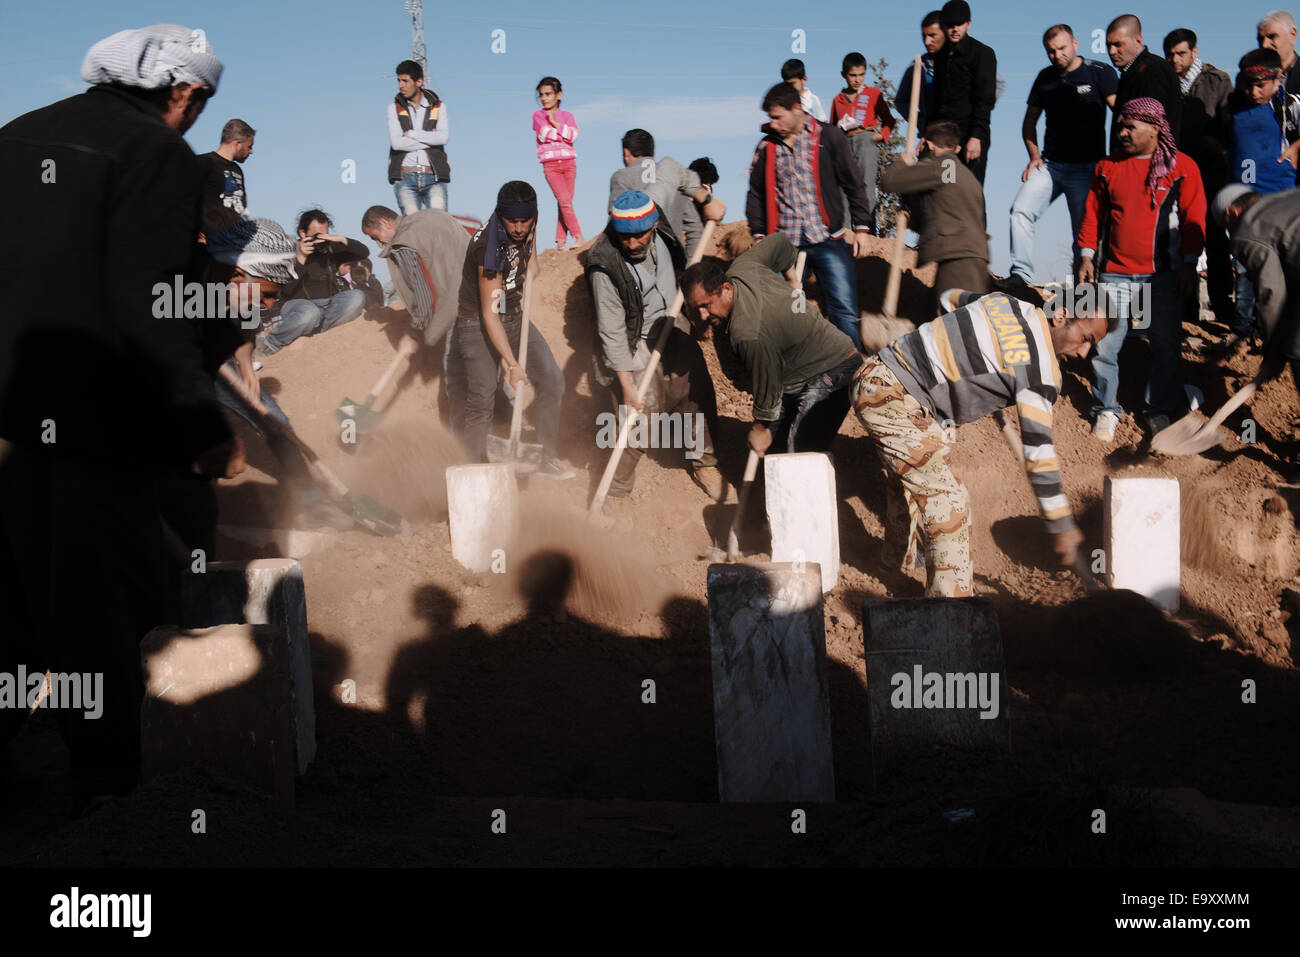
column 523, row 690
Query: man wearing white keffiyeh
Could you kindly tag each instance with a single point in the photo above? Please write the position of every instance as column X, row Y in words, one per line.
column 105, row 195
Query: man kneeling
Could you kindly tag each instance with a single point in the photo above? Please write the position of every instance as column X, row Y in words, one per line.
column 989, row 353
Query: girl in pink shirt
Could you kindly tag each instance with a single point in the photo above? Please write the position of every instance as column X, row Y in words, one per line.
column 556, row 130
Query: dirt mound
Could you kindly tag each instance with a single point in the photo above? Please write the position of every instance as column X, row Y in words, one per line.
column 475, row 685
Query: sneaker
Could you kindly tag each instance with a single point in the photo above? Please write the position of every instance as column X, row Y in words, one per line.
column 1103, row 430
column 552, row 469
column 709, row 479
column 259, row 346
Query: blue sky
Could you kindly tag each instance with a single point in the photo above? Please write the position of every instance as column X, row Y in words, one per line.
column 314, row 79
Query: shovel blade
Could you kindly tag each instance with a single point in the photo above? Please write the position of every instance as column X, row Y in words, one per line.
column 526, row 456
column 377, row 517
column 1190, row 435
column 359, row 412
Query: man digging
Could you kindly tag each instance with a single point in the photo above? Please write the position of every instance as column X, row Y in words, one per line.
column 798, row 363
column 991, row 352
column 632, row 269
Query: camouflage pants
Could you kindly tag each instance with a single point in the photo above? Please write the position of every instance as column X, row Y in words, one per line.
column 927, row 503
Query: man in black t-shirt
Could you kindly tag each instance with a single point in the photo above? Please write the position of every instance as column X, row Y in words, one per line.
column 1075, row 93
column 487, row 331
column 223, row 180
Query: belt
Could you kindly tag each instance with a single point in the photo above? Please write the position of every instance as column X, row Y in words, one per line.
column 417, row 169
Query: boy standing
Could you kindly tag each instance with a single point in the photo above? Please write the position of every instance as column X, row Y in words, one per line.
column 793, row 72
column 1263, row 140
column 1147, row 264
column 861, row 112
column 947, row 203
column 418, row 130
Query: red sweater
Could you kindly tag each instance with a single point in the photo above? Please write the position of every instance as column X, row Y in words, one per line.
column 868, row 106
column 1134, row 238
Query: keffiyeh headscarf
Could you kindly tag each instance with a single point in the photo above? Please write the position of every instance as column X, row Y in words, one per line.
column 152, row 57
column 497, row 237
column 1145, row 109
column 260, row 247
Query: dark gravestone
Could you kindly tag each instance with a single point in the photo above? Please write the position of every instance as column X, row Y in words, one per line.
column 771, row 710
column 936, row 677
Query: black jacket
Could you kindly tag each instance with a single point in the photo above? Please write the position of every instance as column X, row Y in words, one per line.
column 835, row 170
column 102, row 207
column 1201, row 125
column 1148, row 75
column 318, row 277
column 966, row 86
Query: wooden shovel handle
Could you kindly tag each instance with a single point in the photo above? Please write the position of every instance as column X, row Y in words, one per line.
column 643, row 387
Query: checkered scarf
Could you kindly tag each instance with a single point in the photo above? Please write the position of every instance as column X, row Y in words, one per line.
column 1145, row 109
column 1187, row 79
column 161, row 55
column 260, row 247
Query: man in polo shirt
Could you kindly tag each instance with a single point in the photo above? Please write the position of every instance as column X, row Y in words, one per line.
column 1141, row 73
column 1074, row 92
column 418, row 130
column 966, row 84
column 799, row 365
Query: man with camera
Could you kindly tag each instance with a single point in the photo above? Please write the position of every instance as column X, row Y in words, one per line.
column 314, row 303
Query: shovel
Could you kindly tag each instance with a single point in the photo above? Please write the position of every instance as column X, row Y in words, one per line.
column 1190, row 436
column 363, row 414
column 526, row 456
column 643, row 387
column 365, row 511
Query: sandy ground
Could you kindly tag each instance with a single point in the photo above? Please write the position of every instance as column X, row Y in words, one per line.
column 477, row 692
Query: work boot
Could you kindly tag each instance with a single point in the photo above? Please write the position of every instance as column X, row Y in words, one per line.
column 709, row 479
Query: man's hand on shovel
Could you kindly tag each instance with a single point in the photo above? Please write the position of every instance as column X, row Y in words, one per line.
column 515, row 373
column 408, row 345
column 221, row 461
column 1066, row 545
column 760, row 438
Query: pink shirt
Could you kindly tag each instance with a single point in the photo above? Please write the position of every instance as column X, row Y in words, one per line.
column 555, row 142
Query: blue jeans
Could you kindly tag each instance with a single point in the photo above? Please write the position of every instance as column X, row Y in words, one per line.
column 472, row 366
column 832, row 261
column 285, row 452
column 306, row 317
column 1031, row 202
column 1243, row 317
column 417, row 191
column 1160, row 320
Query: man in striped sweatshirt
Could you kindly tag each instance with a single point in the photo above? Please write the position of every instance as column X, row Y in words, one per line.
column 989, row 353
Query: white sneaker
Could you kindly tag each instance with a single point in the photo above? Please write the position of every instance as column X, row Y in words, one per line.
column 1103, row 430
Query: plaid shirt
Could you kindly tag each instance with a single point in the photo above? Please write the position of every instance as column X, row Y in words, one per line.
column 798, row 215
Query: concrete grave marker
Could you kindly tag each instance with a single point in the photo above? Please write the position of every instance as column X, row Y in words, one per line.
column 218, row 699
column 268, row 591
column 771, row 708
column 482, row 512
column 803, row 511
column 1140, row 526
column 935, row 677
